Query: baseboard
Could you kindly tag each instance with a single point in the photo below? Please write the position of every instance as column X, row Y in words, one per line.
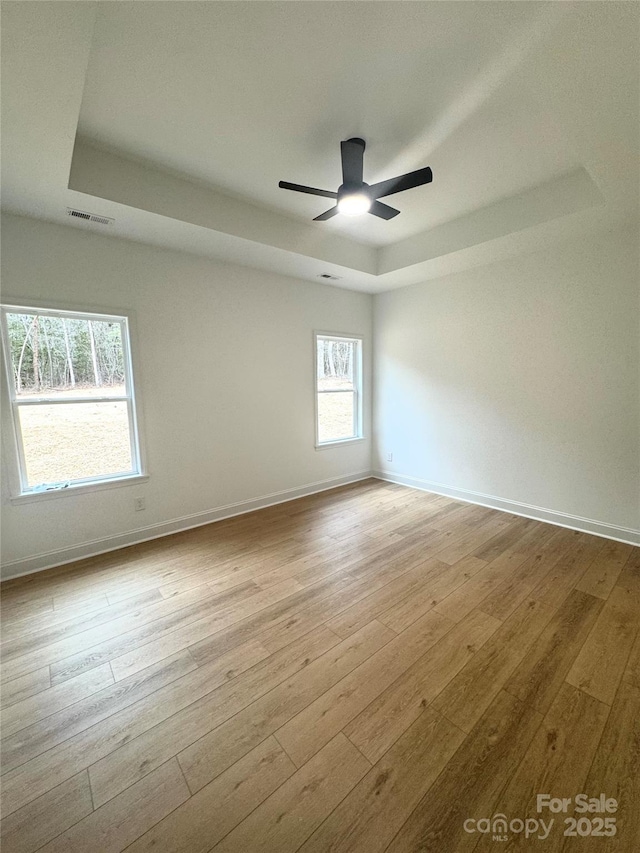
column 573, row 522
column 50, row 559
column 93, row 548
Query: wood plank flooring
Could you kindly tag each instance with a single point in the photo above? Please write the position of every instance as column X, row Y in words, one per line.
column 359, row 670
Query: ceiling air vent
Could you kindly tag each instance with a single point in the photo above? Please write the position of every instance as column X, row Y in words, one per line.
column 327, row 277
column 89, row 217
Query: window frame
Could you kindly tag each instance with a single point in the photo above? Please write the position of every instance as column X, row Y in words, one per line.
column 19, row 489
column 357, row 387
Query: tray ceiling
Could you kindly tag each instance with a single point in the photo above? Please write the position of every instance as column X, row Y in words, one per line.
column 178, row 120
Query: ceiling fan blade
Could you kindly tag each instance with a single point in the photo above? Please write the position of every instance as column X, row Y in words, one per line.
column 402, row 182
column 383, row 210
column 352, row 151
column 299, row 188
column 326, row 215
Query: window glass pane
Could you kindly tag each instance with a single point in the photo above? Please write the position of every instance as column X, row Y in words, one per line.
column 336, row 364
column 65, row 357
column 75, row 440
column 335, row 416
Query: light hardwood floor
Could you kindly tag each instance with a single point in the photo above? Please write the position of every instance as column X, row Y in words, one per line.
column 360, row 670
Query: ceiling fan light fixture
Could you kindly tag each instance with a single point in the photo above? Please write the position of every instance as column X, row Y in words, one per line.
column 354, row 204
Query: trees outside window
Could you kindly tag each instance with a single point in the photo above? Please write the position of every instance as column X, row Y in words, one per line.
column 338, row 388
column 72, row 397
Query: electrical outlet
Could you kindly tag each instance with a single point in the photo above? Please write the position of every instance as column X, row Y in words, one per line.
column 138, row 504
column 389, row 457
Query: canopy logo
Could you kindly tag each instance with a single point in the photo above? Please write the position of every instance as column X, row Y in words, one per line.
column 499, row 826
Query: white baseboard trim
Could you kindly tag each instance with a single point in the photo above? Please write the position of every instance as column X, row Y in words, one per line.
column 573, row 522
column 93, row 548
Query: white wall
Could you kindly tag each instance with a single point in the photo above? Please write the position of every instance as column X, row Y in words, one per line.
column 223, row 432
column 518, row 380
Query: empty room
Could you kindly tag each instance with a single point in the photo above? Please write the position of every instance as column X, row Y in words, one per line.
column 320, row 426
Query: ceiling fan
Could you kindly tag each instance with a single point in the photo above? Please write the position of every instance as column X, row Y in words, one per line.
column 354, row 197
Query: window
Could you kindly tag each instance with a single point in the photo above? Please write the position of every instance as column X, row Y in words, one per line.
column 71, row 394
column 338, row 388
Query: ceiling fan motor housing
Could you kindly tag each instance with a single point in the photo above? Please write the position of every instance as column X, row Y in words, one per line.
column 352, row 188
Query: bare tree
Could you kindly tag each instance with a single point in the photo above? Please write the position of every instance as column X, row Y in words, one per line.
column 47, row 344
column 22, row 351
column 35, row 349
column 72, row 376
column 94, row 358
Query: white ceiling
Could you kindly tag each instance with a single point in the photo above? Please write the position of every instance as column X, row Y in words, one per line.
column 185, row 116
column 240, row 96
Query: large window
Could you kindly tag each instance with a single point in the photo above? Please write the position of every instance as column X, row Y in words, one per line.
column 71, row 396
column 338, row 388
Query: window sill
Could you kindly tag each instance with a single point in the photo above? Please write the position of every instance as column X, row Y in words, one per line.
column 79, row 489
column 327, row 444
